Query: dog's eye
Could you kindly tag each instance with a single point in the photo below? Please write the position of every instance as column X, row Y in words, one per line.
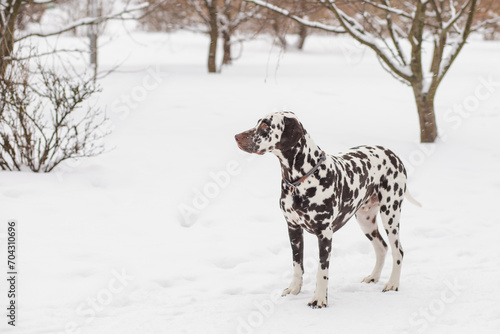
column 263, row 126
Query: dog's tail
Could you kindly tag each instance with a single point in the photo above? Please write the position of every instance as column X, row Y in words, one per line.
column 411, row 199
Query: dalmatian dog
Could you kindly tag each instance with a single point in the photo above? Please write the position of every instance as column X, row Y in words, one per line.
column 320, row 192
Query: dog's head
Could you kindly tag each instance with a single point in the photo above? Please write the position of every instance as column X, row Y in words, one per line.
column 278, row 131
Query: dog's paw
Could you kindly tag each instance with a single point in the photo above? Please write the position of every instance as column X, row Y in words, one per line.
column 293, row 289
column 318, row 302
column 370, row 279
column 390, row 286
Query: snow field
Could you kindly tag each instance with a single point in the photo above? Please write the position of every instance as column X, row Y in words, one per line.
column 105, row 248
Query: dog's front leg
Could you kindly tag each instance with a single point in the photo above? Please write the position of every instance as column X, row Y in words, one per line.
column 297, row 242
column 320, row 298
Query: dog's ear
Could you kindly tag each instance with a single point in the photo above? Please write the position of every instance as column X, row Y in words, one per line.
column 291, row 134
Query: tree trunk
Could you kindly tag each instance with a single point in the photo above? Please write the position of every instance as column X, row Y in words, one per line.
column 426, row 115
column 279, row 35
column 93, row 54
column 226, row 37
column 93, row 35
column 7, row 35
column 303, row 32
column 214, row 35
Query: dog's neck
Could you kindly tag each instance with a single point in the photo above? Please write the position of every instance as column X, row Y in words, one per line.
column 299, row 159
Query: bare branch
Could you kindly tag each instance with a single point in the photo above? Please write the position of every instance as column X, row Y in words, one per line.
column 459, row 14
column 48, row 53
column 493, row 21
column 416, row 38
column 394, row 37
column 365, row 38
column 458, row 45
column 437, row 10
column 199, row 11
column 387, row 8
column 89, row 21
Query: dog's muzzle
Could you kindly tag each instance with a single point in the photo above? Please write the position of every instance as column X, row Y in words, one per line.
column 244, row 141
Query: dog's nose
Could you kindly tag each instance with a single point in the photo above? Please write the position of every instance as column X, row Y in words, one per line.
column 238, row 137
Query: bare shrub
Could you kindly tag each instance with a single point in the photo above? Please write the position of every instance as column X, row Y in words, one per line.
column 45, row 119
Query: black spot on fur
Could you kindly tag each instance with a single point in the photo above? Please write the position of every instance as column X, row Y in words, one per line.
column 297, row 243
column 324, row 252
column 310, row 192
column 327, row 181
column 393, row 159
column 299, row 162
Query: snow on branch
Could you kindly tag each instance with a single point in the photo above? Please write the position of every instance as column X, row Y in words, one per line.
column 284, row 12
column 493, row 21
column 393, row 58
column 388, row 9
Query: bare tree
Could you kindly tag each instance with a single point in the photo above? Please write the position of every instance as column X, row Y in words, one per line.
column 400, row 33
column 222, row 18
column 12, row 10
column 231, row 17
column 216, row 18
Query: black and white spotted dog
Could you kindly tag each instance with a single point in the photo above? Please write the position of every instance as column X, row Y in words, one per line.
column 320, row 192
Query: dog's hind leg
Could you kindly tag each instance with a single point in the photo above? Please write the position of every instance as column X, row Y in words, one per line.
column 367, row 219
column 390, row 212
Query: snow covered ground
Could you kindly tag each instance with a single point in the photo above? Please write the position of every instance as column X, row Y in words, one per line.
column 177, row 231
